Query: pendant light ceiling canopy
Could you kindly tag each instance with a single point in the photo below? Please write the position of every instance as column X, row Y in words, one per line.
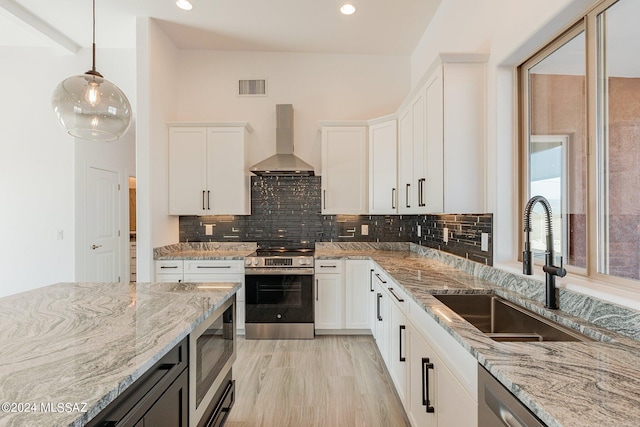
column 89, row 106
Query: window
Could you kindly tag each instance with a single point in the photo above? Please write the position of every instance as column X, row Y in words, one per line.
column 580, row 142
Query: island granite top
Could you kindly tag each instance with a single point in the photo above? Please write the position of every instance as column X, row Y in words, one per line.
column 82, row 344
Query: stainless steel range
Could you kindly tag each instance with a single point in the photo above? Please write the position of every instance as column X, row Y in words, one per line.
column 279, row 294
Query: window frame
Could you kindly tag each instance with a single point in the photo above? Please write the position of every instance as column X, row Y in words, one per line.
column 593, row 145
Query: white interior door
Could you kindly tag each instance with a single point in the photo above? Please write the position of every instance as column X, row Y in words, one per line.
column 103, row 226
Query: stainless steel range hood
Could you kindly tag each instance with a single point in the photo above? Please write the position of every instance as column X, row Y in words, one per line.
column 284, row 162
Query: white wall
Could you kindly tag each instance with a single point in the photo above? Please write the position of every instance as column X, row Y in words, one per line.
column 37, row 166
column 320, row 87
column 510, row 31
column 157, row 63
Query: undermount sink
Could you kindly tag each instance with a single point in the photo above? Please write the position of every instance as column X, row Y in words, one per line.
column 502, row 320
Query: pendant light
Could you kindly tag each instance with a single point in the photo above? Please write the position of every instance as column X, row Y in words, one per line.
column 90, row 107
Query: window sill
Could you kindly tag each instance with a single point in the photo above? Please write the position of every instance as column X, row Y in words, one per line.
column 582, row 285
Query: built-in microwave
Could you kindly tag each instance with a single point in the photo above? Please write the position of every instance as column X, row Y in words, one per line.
column 212, row 351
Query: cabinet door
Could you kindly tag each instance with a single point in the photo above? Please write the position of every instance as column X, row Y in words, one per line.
column 383, row 191
column 422, row 382
column 430, row 378
column 406, row 202
column 187, row 170
column 228, row 179
column 344, row 170
column 171, row 409
column 433, row 187
column 419, row 129
column 398, row 350
column 357, row 294
column 329, row 301
column 383, row 323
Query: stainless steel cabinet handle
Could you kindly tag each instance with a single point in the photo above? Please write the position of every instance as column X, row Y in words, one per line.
column 393, row 198
column 213, row 266
column 379, row 296
column 94, row 247
column 328, row 266
column 168, row 266
column 324, row 198
column 421, row 182
column 395, row 295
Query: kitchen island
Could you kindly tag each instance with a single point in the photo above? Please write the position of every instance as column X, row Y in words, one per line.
column 69, row 349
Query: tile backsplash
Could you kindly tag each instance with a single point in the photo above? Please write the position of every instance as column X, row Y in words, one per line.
column 287, row 211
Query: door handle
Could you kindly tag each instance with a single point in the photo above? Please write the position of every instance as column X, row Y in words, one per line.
column 94, row 247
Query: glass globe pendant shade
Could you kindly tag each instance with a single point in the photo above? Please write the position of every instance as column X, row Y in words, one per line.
column 90, row 107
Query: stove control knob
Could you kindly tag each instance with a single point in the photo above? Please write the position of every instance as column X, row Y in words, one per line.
column 302, row 261
column 256, row 261
column 247, row 262
column 279, row 316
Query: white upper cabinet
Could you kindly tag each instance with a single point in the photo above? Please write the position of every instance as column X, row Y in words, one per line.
column 344, row 169
column 208, row 169
column 441, row 139
column 383, row 149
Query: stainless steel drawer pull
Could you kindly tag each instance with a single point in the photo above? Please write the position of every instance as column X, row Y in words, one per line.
column 380, row 278
column 395, row 295
column 328, row 266
column 407, row 195
column 213, row 266
column 168, row 266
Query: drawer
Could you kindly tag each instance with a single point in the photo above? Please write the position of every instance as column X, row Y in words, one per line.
column 214, row 267
column 329, row 266
column 173, row 266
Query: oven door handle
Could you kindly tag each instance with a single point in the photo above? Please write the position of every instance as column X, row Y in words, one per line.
column 278, row 271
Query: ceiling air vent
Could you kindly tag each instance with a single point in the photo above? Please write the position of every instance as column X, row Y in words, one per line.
column 252, row 87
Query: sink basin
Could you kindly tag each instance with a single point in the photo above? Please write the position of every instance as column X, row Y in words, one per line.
column 502, row 320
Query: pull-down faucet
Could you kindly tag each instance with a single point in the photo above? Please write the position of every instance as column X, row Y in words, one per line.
column 551, row 271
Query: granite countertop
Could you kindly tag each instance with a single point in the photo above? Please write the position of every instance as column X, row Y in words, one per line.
column 82, row 344
column 564, row 383
column 205, row 251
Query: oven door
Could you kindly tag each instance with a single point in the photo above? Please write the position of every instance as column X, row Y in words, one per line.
column 279, row 295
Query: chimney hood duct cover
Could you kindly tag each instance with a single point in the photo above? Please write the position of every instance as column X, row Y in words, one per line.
column 284, row 162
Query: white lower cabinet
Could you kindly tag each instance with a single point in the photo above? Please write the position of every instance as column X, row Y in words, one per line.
column 434, row 376
column 398, row 357
column 329, row 295
column 206, row 271
column 357, row 294
column 436, row 396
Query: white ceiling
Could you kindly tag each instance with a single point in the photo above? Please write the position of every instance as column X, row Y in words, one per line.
column 390, row 27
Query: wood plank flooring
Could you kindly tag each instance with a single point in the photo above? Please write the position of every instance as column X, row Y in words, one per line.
column 332, row 381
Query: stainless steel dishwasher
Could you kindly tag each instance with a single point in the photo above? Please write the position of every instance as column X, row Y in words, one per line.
column 498, row 407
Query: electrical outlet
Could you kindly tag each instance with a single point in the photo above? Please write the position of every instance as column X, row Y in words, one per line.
column 484, row 242
column 364, row 229
column 208, row 229
column 445, row 234
column 419, row 231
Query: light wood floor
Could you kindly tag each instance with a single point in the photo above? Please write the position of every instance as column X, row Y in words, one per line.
column 332, row 381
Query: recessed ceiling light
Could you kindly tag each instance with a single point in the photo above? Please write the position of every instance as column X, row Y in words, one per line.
column 184, row 4
column 348, row 9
